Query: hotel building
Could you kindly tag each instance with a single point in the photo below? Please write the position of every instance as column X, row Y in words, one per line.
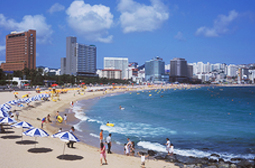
column 20, row 51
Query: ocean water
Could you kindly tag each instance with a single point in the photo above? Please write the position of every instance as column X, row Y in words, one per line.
column 199, row 122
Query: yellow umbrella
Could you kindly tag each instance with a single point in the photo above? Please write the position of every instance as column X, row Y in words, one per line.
column 26, row 95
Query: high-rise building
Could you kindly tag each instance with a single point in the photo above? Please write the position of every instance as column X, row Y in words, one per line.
column 80, row 58
column 155, row 70
column 85, row 59
column 179, row 70
column 117, row 63
column 20, row 51
column 70, row 56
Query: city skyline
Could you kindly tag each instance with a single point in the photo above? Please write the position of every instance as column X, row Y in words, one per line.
column 215, row 32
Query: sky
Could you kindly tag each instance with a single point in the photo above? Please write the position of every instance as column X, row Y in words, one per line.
column 221, row 31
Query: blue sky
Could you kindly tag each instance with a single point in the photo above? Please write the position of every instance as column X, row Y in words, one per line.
column 208, row 31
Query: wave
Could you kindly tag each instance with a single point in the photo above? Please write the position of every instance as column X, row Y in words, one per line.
column 192, row 152
column 94, row 135
column 137, row 129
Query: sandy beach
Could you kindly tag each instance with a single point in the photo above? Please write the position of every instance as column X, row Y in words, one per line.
column 17, row 155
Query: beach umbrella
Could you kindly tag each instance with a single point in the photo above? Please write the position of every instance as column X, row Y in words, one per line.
column 36, row 132
column 7, row 120
column 53, row 85
column 22, row 124
column 15, row 93
column 3, row 114
column 66, row 136
column 13, row 102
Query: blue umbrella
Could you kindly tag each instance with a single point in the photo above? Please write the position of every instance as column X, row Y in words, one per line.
column 3, row 113
column 7, row 120
column 36, row 132
column 22, row 124
column 66, row 136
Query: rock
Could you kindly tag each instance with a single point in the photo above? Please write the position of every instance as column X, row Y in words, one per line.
column 179, row 164
column 233, row 166
column 236, row 159
column 190, row 166
column 223, row 165
column 170, row 158
column 245, row 164
column 212, row 160
column 159, row 157
column 210, row 167
column 215, row 155
column 186, row 160
column 221, row 161
column 152, row 153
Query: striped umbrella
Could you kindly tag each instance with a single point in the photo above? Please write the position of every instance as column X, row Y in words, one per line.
column 7, row 120
column 13, row 102
column 22, row 124
column 3, row 114
column 36, row 132
column 66, row 136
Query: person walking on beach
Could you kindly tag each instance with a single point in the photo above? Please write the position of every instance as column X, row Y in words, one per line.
column 70, row 143
column 102, row 153
column 17, row 114
column 65, row 118
column 142, row 158
column 171, row 150
column 168, row 145
column 132, row 148
column 101, row 136
column 109, row 143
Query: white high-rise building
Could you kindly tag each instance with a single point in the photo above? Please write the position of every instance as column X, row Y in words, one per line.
column 200, row 67
column 117, row 63
column 232, row 70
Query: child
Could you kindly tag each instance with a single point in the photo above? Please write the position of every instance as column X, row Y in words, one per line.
column 17, row 114
column 65, row 117
column 43, row 121
column 142, row 159
column 102, row 153
column 171, row 150
column 126, row 149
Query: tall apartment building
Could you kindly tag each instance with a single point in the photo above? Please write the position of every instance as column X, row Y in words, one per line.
column 85, row 59
column 117, row 63
column 155, row 70
column 20, row 51
column 179, row 70
column 80, row 58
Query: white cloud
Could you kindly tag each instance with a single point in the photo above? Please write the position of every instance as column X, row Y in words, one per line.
column 179, row 36
column 137, row 17
column 56, row 8
column 36, row 22
column 92, row 22
column 220, row 25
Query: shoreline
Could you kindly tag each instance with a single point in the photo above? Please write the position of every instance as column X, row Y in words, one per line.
column 42, row 109
column 82, row 154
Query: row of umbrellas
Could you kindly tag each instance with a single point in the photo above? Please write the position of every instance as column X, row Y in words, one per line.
column 4, row 108
column 37, row 132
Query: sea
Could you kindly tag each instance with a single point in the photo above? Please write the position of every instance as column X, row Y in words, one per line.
column 198, row 121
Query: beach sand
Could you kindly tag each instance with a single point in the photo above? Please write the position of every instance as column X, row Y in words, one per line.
column 17, row 155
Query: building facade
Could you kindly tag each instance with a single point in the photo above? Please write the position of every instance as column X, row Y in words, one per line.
column 112, row 73
column 20, row 51
column 155, row 70
column 80, row 58
column 117, row 63
column 85, row 59
column 179, row 70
